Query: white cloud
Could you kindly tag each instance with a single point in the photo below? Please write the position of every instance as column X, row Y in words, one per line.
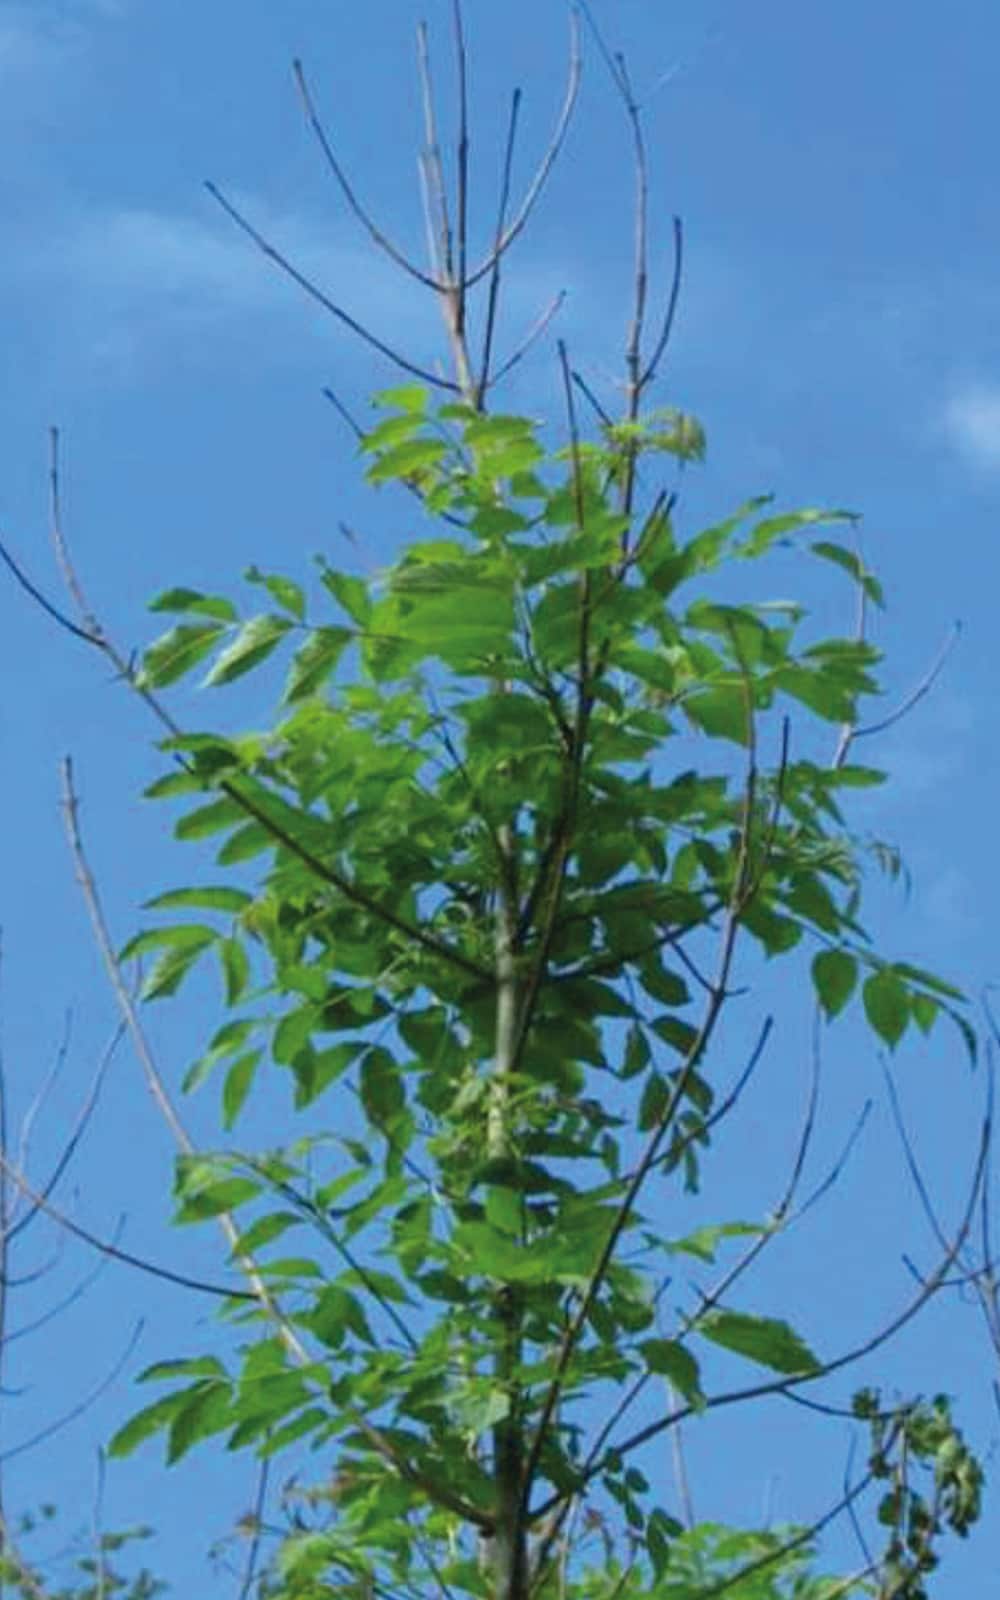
column 972, row 421
column 132, row 285
column 46, row 34
column 137, row 275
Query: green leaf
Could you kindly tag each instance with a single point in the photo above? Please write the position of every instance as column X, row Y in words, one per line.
column 655, row 1100
column 192, row 600
column 151, row 1419
column 205, row 1412
column 673, row 1361
column 208, row 819
column 766, row 1340
column 763, row 535
column 178, row 949
column 314, row 661
column 835, row 976
column 264, row 1231
column 404, row 397
column 237, row 1085
column 179, row 936
column 851, row 562
column 666, row 986
column 406, row 460
column 209, row 898
column 245, row 843
column 382, row 1093
column 235, row 968
column 206, row 1186
column 177, row 651
column 168, row 972
column 704, row 1242
column 283, row 591
column 184, row 1367
column 637, row 1053
column 252, row 644
column 720, row 711
column 336, row 1314
column 349, row 592
column 887, row 1005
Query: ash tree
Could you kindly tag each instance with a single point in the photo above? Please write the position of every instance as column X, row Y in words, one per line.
column 491, row 879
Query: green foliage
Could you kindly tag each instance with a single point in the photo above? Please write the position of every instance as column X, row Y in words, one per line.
column 527, row 797
column 932, row 1481
column 83, row 1568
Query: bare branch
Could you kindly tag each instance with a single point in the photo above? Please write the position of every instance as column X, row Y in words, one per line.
column 785, row 1385
column 462, row 173
column 40, row 599
column 437, row 189
column 76, row 1134
column 923, row 688
column 531, row 337
column 312, row 289
column 652, row 366
column 370, row 226
column 589, row 394
column 52, row 1428
column 493, row 295
column 114, row 1252
column 257, row 1515
column 345, row 415
column 516, row 226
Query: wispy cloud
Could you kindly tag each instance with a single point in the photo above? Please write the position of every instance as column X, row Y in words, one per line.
column 972, row 422
column 44, row 35
column 138, row 284
column 127, row 286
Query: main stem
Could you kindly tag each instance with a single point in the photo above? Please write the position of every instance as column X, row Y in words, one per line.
column 510, row 1544
column 509, row 1552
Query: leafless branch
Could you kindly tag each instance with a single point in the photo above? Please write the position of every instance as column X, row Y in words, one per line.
column 531, row 337
column 312, row 289
column 493, row 294
column 517, row 225
column 52, row 1428
column 652, row 366
column 72, row 1141
column 106, row 1248
column 923, row 688
column 375, row 233
column 253, row 1552
column 437, row 189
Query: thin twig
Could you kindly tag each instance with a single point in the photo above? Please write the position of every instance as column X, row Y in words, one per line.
column 52, row 1428
column 516, row 226
column 106, row 1248
column 493, row 294
column 589, row 394
column 40, row 599
column 923, row 688
column 462, row 167
column 532, row 337
column 785, row 1385
column 312, row 289
column 431, row 161
column 652, row 366
column 73, row 1140
column 371, row 227
column 253, row 1553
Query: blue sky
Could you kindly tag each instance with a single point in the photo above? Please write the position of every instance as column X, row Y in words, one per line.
column 839, row 337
